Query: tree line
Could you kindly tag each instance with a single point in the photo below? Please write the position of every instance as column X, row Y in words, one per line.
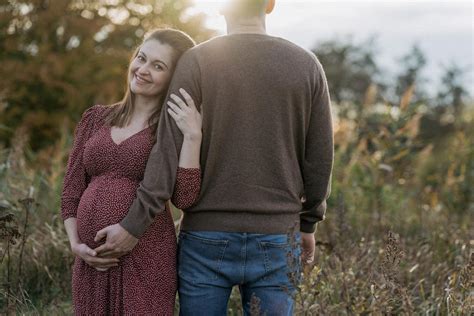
column 58, row 58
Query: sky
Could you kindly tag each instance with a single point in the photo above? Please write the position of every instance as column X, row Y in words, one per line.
column 442, row 29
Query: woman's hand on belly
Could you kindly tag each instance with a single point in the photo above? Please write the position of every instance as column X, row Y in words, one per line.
column 90, row 257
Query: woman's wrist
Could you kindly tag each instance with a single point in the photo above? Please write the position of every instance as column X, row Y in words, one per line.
column 74, row 245
column 193, row 137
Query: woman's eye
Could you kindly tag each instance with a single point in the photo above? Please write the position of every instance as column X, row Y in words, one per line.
column 158, row 67
column 140, row 58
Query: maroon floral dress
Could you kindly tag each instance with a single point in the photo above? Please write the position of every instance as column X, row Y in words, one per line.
column 99, row 187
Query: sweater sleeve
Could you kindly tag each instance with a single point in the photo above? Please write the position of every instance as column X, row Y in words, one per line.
column 76, row 179
column 319, row 155
column 188, row 186
column 160, row 174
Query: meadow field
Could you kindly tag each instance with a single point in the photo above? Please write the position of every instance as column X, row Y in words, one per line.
column 397, row 239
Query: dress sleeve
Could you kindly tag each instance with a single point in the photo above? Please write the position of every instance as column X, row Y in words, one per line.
column 76, row 179
column 187, row 188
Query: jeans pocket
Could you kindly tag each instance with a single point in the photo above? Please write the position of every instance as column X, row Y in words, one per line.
column 274, row 249
column 200, row 256
column 281, row 259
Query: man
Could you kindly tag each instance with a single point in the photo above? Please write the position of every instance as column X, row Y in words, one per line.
column 267, row 146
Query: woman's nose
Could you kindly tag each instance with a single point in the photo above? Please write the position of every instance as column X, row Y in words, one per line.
column 143, row 69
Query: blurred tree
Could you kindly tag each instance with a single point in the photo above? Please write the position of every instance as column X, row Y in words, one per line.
column 411, row 66
column 61, row 57
column 437, row 124
column 350, row 67
column 452, row 91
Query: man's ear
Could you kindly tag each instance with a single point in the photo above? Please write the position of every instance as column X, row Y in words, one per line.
column 270, row 6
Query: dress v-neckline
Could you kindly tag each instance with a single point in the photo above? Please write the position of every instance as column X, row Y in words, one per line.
column 126, row 139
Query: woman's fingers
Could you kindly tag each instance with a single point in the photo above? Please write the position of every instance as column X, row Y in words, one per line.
column 101, row 269
column 101, row 261
column 106, row 266
column 176, row 109
column 83, row 248
column 188, row 98
column 89, row 251
column 173, row 115
column 103, row 248
column 186, row 115
column 111, row 254
column 182, row 105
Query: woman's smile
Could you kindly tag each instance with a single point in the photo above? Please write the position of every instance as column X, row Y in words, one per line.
column 141, row 80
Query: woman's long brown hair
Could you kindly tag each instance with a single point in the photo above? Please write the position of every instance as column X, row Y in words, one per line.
column 121, row 112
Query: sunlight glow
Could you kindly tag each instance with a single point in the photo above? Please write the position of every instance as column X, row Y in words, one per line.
column 442, row 28
column 211, row 9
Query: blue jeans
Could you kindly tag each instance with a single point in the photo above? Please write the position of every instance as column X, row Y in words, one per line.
column 211, row 263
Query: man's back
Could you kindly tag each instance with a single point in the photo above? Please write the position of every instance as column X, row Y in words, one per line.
column 266, row 143
column 262, row 99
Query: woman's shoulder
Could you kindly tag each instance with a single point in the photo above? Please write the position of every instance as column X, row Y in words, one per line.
column 97, row 110
column 96, row 113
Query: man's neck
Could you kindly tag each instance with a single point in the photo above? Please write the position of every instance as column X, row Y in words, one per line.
column 256, row 26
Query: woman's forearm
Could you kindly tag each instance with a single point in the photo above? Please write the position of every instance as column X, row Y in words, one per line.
column 190, row 151
column 71, row 229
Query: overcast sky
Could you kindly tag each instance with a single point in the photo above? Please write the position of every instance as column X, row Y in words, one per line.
column 443, row 29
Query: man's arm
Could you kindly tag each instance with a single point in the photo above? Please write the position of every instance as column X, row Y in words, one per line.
column 160, row 173
column 319, row 156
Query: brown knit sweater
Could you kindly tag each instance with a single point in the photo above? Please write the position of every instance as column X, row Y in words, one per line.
column 267, row 139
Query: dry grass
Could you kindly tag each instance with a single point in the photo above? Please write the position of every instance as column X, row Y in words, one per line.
column 397, row 238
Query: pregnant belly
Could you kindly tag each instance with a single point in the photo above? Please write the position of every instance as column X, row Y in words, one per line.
column 105, row 202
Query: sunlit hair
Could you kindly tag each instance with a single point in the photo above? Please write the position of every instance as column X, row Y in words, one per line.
column 121, row 112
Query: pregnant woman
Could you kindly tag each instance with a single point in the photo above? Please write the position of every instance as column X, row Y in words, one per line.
column 106, row 164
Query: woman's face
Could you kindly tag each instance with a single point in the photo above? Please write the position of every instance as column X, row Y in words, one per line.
column 151, row 70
